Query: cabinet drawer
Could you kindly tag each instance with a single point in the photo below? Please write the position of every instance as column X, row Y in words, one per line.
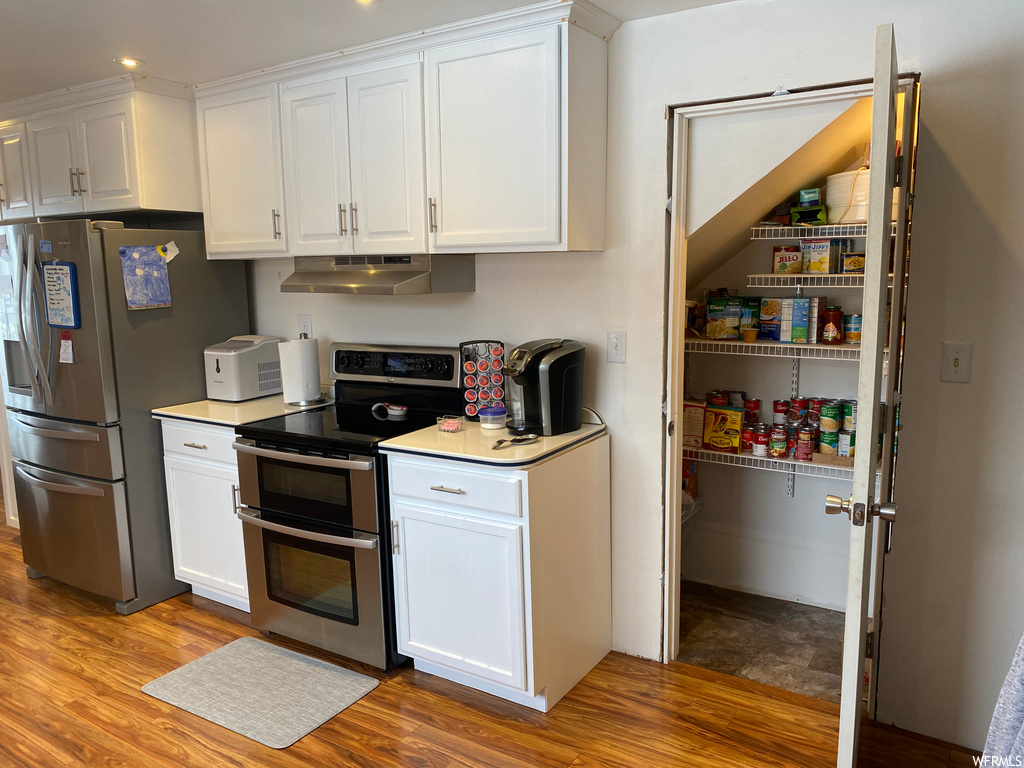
column 487, row 492
column 199, row 442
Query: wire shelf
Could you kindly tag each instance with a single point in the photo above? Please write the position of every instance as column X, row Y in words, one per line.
column 772, row 349
column 789, row 466
column 698, row 507
column 781, row 232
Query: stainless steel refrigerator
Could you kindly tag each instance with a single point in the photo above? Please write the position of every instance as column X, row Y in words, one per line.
column 88, row 469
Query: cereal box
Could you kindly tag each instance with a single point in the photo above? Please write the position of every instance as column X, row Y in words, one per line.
column 771, row 319
column 793, row 328
column 693, row 424
column 722, row 428
column 724, row 317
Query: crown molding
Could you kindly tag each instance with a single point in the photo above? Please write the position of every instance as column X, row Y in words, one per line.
column 101, row 90
column 581, row 13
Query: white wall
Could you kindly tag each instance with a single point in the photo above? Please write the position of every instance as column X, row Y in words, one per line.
column 954, row 606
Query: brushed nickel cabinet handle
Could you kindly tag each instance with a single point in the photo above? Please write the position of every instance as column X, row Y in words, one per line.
column 355, row 219
column 197, row 446
column 80, row 173
column 342, row 214
column 433, row 215
column 275, row 220
column 442, row 489
column 71, row 179
column 2, row 201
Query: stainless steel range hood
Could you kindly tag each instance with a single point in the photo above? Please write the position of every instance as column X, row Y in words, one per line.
column 383, row 275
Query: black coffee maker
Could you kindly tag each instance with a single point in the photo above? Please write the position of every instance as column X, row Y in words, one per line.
column 544, row 384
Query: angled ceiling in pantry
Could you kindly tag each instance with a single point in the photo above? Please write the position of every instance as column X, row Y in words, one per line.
column 741, row 165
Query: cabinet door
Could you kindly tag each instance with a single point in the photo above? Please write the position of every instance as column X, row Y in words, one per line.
column 459, row 593
column 388, row 195
column 316, row 166
column 15, row 181
column 106, row 156
column 51, row 144
column 240, row 168
column 206, row 537
column 493, row 163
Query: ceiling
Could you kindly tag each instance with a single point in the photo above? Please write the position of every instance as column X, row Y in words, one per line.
column 46, row 45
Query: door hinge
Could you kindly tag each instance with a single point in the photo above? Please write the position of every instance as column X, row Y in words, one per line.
column 668, row 205
column 869, row 645
column 394, row 538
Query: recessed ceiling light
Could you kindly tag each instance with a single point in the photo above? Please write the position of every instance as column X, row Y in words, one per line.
column 130, row 63
column 364, row 2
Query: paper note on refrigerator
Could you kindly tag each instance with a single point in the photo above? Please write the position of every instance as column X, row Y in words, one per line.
column 146, row 282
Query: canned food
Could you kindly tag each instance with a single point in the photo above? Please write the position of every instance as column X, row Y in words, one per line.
column 850, row 415
column 851, row 329
column 790, row 442
column 831, row 416
column 778, row 440
column 718, row 397
column 828, row 443
column 798, row 411
column 781, row 411
column 751, row 411
column 814, row 410
column 736, row 399
column 762, row 436
column 847, row 443
column 747, row 439
column 804, row 444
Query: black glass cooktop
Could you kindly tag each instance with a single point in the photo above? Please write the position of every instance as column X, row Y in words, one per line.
column 336, row 427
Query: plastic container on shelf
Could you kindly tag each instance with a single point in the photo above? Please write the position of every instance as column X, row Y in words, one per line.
column 846, row 197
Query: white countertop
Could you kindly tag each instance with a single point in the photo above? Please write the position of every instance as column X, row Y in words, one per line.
column 474, row 444
column 222, row 412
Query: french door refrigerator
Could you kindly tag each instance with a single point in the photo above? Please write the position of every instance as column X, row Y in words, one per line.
column 88, row 472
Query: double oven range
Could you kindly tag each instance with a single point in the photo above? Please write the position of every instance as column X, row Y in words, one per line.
column 313, row 499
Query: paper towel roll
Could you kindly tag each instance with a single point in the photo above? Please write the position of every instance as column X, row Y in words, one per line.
column 300, row 371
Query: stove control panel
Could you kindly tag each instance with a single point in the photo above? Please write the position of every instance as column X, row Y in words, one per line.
column 381, row 363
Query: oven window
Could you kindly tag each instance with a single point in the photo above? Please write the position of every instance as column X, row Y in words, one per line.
column 318, row 493
column 311, row 576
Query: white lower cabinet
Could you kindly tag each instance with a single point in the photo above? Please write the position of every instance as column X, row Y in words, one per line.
column 459, row 582
column 206, row 537
column 503, row 576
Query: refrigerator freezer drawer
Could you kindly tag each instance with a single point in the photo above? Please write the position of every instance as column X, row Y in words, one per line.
column 80, row 449
column 75, row 530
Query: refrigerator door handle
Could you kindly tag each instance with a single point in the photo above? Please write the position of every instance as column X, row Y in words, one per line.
column 57, row 434
column 19, row 278
column 31, row 336
column 77, row 490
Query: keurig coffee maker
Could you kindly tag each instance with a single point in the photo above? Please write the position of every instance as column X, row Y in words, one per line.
column 544, row 382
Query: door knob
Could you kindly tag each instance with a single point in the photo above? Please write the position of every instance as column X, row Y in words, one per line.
column 885, row 511
column 834, row 505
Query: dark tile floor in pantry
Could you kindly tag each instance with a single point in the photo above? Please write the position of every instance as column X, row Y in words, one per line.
column 788, row 645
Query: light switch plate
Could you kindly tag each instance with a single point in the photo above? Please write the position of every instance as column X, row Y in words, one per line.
column 957, row 357
column 616, row 346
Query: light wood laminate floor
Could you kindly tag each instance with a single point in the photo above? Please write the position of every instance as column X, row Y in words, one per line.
column 71, row 670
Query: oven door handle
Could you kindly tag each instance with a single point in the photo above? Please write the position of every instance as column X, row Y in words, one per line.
column 361, row 541
column 246, row 446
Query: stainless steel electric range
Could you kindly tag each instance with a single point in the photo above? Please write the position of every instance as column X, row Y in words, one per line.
column 314, row 501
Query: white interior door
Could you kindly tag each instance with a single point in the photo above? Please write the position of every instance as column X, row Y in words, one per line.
column 106, row 142
column 15, row 181
column 493, row 163
column 386, row 136
column 869, row 391
column 51, row 142
column 316, row 166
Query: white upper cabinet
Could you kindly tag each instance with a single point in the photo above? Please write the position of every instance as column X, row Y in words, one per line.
column 15, row 181
column 52, row 142
column 316, row 167
column 353, row 162
column 386, row 137
column 240, row 170
column 108, row 177
column 136, row 151
column 493, row 134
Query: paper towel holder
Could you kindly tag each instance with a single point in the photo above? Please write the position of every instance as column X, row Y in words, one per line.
column 307, row 403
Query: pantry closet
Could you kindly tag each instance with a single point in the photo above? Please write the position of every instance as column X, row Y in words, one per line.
column 759, row 526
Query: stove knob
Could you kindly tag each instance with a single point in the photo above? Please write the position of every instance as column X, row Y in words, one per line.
column 444, row 367
column 343, row 361
column 428, row 365
column 357, row 362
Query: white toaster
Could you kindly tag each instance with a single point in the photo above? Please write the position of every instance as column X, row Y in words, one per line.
column 243, row 367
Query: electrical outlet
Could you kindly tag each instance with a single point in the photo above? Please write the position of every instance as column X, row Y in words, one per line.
column 306, row 325
column 616, row 346
column 957, row 357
